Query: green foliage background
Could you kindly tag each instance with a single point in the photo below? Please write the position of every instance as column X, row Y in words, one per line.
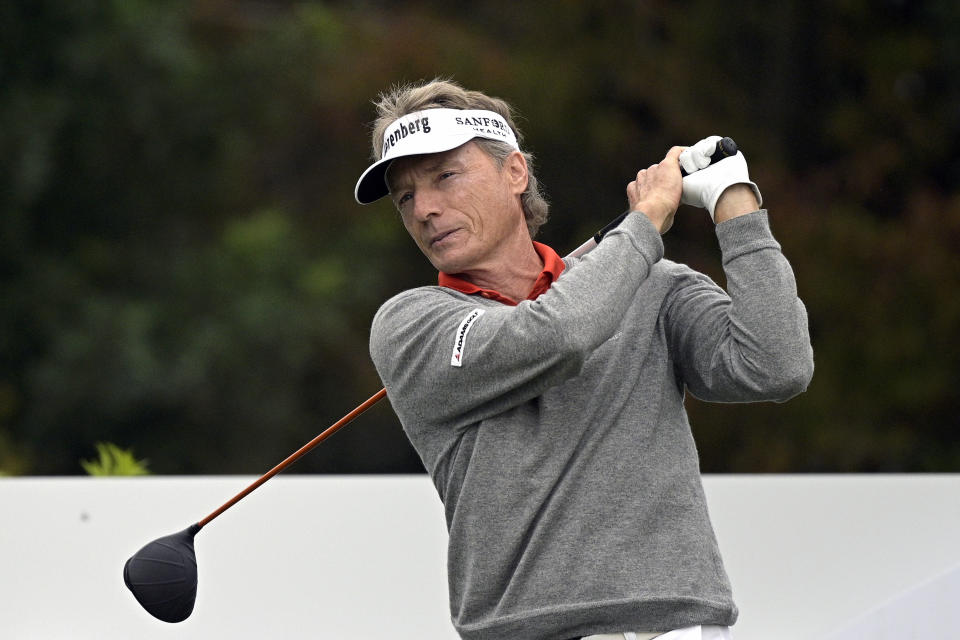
column 183, row 270
column 111, row 460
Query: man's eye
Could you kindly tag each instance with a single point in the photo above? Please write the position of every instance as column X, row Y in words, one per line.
column 445, row 175
column 403, row 199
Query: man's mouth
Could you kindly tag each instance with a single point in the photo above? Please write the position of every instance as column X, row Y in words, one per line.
column 441, row 236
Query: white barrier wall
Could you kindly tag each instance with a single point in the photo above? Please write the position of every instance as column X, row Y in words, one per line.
column 363, row 557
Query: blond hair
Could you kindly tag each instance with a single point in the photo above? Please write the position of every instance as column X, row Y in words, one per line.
column 440, row 93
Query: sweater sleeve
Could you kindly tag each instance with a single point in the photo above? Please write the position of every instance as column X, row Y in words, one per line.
column 750, row 343
column 508, row 355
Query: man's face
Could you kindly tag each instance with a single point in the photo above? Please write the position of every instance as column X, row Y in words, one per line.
column 459, row 206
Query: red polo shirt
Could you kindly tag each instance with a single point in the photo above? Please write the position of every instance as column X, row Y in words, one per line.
column 552, row 268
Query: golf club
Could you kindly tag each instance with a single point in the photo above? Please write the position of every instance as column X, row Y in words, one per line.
column 163, row 574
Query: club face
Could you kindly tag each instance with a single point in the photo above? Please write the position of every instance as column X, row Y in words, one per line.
column 163, row 576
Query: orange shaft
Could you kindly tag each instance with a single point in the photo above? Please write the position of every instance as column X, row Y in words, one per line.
column 332, row 429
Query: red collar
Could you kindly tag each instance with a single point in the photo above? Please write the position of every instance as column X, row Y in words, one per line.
column 552, row 268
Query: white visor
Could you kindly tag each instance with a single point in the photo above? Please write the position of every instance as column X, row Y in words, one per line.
column 429, row 131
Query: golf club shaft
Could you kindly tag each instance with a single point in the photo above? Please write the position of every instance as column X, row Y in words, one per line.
column 332, row 429
column 725, row 147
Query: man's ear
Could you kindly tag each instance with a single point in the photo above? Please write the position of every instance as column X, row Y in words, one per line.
column 515, row 166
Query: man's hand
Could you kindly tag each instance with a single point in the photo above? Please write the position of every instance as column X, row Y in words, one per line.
column 657, row 189
column 706, row 186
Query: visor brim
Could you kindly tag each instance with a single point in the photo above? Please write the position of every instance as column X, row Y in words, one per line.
column 372, row 184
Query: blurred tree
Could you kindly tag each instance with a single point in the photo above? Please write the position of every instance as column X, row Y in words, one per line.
column 182, row 266
column 170, row 281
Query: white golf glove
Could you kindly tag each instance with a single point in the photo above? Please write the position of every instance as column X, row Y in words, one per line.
column 705, row 182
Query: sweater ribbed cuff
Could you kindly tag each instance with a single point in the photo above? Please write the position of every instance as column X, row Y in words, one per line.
column 745, row 234
column 643, row 235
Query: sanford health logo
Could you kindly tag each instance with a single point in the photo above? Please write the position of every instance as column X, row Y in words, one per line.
column 488, row 127
column 405, row 129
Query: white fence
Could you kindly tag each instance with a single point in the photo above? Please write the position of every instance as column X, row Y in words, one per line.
column 829, row 557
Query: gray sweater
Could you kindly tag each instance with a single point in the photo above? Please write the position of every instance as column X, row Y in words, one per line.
column 558, row 441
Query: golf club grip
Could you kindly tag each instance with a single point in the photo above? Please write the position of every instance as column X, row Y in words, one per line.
column 726, row 147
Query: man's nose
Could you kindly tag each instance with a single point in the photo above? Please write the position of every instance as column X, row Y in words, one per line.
column 426, row 203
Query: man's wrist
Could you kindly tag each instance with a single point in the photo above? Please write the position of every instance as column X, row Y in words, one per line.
column 736, row 200
column 657, row 212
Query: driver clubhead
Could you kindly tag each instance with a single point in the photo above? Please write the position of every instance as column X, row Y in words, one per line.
column 163, row 576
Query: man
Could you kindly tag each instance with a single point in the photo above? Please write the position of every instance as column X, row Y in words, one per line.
column 545, row 396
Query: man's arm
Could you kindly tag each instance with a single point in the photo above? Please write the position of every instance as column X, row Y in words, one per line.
column 510, row 354
column 750, row 342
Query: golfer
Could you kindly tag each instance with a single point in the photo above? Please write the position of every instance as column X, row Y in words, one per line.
column 545, row 395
